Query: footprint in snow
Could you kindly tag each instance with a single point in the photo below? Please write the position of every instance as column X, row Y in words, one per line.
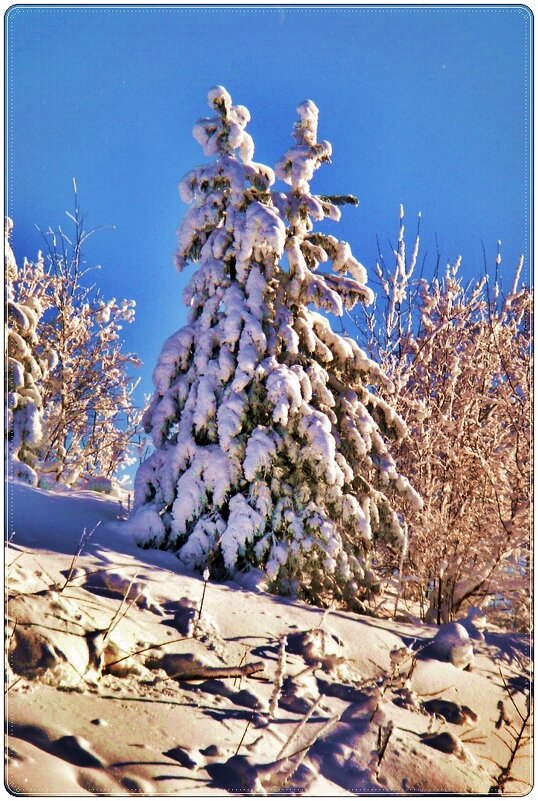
column 445, row 742
column 450, row 711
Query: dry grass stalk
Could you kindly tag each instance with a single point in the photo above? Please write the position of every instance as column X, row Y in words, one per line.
column 206, row 579
column 80, row 547
column 15, row 559
column 324, row 617
column 118, row 616
column 249, row 721
column 238, row 680
column 12, row 685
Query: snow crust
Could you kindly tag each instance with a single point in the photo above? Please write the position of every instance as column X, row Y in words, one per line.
column 124, row 667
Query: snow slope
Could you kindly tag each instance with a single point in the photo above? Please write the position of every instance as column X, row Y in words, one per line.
column 120, row 682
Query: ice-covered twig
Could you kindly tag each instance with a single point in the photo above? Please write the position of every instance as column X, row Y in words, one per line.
column 340, row 200
column 198, row 672
column 300, row 726
column 305, row 749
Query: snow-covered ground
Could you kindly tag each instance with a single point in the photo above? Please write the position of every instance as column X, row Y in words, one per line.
column 121, row 682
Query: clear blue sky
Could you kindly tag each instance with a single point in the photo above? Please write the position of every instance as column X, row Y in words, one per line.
column 429, row 107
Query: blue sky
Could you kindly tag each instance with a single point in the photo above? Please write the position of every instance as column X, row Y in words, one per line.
column 425, row 106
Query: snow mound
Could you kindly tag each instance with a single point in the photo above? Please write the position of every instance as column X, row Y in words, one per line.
column 64, row 641
column 318, row 646
column 452, row 644
column 117, row 585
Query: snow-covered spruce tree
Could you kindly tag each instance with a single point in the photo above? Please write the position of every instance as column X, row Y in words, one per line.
column 268, row 436
column 24, row 374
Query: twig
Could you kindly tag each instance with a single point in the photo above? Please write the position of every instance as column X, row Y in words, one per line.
column 520, row 741
column 324, row 617
column 126, row 612
column 300, row 726
column 240, row 663
column 249, row 721
column 81, row 543
column 383, row 736
column 21, row 553
column 52, row 628
column 148, row 648
column 197, row 673
column 116, row 617
column 12, row 685
column 308, row 669
column 303, row 751
column 206, row 579
column 474, row 740
column 506, row 687
column 53, row 582
column 437, row 692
